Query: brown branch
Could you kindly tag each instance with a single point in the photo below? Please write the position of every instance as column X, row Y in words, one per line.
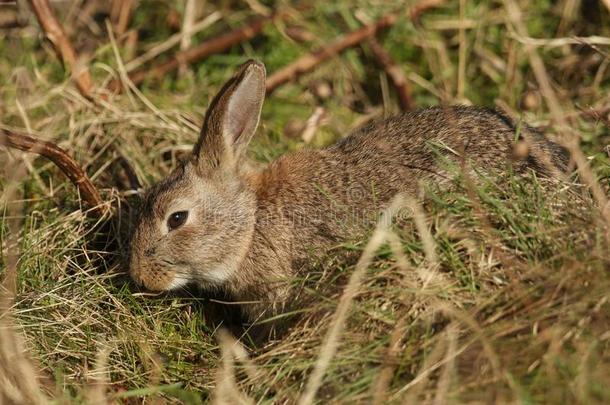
column 421, row 7
column 395, row 73
column 55, row 33
column 61, row 159
column 201, row 51
column 307, row 62
column 120, row 11
column 600, row 114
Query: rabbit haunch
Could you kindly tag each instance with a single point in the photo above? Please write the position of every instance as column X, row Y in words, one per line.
column 247, row 233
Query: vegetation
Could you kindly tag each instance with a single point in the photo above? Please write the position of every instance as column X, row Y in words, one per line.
column 495, row 291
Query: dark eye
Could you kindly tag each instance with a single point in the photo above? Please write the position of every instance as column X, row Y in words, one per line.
column 177, row 219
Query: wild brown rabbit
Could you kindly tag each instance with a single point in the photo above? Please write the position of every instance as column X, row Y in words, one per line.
column 221, row 225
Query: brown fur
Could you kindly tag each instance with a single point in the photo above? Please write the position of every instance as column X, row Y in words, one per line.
column 264, row 227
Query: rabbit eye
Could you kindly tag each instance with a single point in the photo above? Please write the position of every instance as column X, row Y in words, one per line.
column 177, row 219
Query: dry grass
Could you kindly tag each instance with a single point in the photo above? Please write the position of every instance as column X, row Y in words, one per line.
column 494, row 292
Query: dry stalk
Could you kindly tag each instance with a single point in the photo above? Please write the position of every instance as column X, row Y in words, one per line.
column 331, row 341
column 559, row 42
column 426, row 236
column 188, row 20
column 19, row 382
column 227, row 391
column 64, row 49
column 421, row 7
column 409, row 393
column 571, row 139
column 444, row 381
column 98, row 377
column 309, row 61
column 171, row 42
column 468, row 320
column 201, row 51
column 379, row 389
column 461, row 79
column 120, row 14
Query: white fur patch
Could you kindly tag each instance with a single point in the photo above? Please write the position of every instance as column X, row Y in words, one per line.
column 177, row 282
column 222, row 272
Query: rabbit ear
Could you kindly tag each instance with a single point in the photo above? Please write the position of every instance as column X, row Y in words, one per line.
column 232, row 118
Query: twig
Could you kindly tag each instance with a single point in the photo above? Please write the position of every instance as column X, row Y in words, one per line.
column 418, row 9
column 121, row 11
column 395, row 74
column 61, row 159
column 307, row 62
column 461, row 79
column 598, row 114
column 55, row 33
column 188, row 20
column 212, row 46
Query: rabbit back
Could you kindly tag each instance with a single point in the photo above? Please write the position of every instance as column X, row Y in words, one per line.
column 312, row 200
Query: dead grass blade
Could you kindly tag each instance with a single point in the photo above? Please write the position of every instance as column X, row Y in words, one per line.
column 171, row 42
column 227, row 391
column 18, row 377
column 331, row 342
column 379, row 389
column 201, row 51
column 571, row 139
column 308, row 62
column 98, row 377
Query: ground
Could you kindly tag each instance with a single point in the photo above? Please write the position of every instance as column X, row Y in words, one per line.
column 495, row 291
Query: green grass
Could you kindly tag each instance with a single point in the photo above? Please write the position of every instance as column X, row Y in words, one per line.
column 516, row 311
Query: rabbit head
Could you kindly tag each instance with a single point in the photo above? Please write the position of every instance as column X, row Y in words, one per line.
column 196, row 225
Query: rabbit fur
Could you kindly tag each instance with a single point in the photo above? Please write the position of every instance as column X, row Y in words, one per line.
column 248, row 232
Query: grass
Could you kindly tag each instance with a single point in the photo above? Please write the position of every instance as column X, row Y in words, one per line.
column 515, row 308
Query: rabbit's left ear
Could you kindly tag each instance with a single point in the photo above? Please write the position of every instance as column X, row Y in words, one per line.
column 232, row 118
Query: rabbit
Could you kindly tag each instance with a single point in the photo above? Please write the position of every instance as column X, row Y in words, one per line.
column 218, row 223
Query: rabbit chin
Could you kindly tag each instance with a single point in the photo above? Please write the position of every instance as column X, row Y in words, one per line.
column 211, row 278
